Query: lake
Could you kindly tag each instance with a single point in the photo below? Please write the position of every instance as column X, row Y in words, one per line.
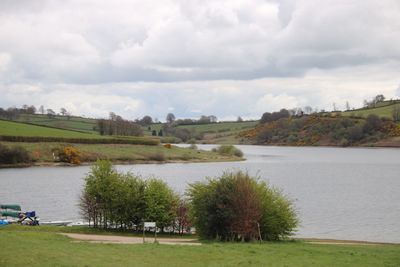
column 340, row 193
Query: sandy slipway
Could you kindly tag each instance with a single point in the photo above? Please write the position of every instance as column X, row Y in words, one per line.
column 114, row 239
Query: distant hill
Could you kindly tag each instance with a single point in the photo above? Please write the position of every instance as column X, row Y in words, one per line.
column 382, row 109
column 211, row 133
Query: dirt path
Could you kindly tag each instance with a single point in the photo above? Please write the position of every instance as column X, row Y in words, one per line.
column 114, row 239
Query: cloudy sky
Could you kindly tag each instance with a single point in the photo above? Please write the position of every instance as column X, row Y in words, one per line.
column 194, row 57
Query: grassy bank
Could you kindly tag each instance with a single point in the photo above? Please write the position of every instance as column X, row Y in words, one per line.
column 383, row 109
column 42, row 153
column 46, row 248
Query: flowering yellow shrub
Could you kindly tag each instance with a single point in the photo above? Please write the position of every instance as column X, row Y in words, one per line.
column 70, row 154
column 167, row 145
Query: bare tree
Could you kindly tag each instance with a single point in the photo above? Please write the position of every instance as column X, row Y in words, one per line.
column 63, row 111
column 396, row 113
column 41, row 109
column 307, row 109
column 347, row 105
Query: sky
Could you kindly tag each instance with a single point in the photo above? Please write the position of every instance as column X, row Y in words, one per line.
column 194, row 57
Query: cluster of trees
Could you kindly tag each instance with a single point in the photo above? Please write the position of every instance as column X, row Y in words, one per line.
column 202, row 120
column 13, row 113
column 234, row 206
column 373, row 102
column 274, row 116
column 183, row 134
column 145, row 121
column 114, row 199
column 14, row 155
column 116, row 125
column 311, row 129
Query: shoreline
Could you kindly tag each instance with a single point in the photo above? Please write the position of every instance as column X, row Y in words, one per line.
column 116, row 162
column 329, row 241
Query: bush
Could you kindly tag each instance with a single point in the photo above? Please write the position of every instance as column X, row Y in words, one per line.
column 228, row 150
column 69, row 154
column 169, row 146
column 14, row 155
column 193, row 146
column 171, row 139
column 236, row 206
column 158, row 156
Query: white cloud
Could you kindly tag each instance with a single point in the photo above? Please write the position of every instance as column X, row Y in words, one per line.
column 269, row 102
column 226, row 58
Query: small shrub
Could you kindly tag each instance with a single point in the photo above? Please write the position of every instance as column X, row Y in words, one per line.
column 193, row 146
column 186, row 157
column 69, row 154
column 171, row 139
column 14, row 155
column 169, row 146
column 228, row 150
column 157, row 156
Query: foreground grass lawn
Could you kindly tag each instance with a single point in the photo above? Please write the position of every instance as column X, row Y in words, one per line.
column 39, row 248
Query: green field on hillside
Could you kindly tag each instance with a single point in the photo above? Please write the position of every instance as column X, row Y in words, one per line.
column 221, row 127
column 32, row 247
column 73, row 123
column 383, row 109
column 22, row 129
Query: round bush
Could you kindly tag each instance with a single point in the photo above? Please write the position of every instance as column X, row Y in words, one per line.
column 236, row 206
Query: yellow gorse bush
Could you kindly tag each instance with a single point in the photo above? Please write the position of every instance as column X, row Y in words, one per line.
column 70, row 154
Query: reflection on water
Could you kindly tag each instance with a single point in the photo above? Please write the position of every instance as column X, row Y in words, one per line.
column 343, row 193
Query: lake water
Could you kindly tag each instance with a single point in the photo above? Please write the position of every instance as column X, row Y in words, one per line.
column 340, row 193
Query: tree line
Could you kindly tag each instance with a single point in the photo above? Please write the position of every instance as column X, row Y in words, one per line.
column 116, row 125
column 234, row 206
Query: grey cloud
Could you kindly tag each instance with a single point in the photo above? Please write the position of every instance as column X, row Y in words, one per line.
column 100, row 41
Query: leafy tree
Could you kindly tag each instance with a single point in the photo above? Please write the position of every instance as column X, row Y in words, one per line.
column 161, row 203
column 170, row 118
column 146, row 120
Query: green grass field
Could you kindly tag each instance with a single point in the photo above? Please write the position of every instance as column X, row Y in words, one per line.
column 219, row 133
column 383, row 109
column 31, row 247
column 22, row 129
column 74, row 123
column 221, row 127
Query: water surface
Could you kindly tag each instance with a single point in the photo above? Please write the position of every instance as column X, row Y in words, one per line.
column 341, row 193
